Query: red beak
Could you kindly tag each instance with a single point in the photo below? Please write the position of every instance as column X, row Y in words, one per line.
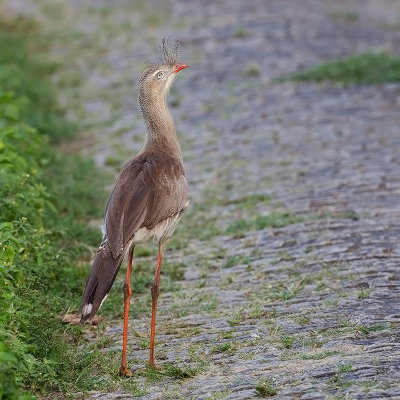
column 179, row 67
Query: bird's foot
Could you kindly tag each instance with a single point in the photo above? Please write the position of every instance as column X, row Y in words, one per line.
column 152, row 365
column 124, row 371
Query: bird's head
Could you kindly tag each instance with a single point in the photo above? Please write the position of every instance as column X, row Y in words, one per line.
column 157, row 78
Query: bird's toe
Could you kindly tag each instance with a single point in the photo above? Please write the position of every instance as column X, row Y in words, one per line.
column 154, row 366
column 123, row 371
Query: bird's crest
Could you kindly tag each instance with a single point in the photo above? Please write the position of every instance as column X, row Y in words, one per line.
column 170, row 53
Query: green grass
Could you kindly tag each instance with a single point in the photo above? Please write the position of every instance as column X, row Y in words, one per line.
column 266, row 388
column 344, row 15
column 220, row 395
column 395, row 26
column 46, row 199
column 319, row 355
column 236, row 318
column 181, row 371
column 112, row 161
column 28, row 77
column 364, row 293
column 175, row 270
column 282, row 292
column 201, row 223
column 236, row 259
column 196, row 303
column 276, row 219
column 252, row 71
column 367, row 329
column 287, row 341
column 240, row 32
column 344, row 368
column 253, row 312
column 303, row 320
column 337, row 381
column 365, row 68
column 221, row 348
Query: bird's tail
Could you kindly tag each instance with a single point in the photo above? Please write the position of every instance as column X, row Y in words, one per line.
column 101, row 278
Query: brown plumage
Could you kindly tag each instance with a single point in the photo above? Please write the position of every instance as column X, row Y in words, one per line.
column 148, row 199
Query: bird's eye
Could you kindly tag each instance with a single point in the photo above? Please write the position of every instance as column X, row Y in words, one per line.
column 160, row 74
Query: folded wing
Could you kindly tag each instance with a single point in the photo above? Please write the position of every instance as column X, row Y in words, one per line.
column 150, row 188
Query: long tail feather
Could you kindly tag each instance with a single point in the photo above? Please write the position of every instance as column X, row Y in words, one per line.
column 101, row 278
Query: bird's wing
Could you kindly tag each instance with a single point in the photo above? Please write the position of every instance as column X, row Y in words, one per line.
column 149, row 189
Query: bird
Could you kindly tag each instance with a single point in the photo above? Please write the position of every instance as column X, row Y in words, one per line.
column 147, row 201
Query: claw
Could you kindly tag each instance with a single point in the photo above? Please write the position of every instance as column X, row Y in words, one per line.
column 154, row 366
column 123, row 371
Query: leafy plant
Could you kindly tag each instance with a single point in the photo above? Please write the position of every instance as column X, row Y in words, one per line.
column 45, row 198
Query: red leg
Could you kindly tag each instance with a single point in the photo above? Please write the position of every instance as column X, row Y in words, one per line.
column 127, row 298
column 155, row 290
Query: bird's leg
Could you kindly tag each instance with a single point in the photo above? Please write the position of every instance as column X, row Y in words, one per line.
column 127, row 298
column 155, row 290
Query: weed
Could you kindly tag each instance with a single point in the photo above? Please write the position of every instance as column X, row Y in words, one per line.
column 319, row 355
column 236, row 259
column 180, row 371
column 367, row 329
column 228, row 280
column 252, row 71
column 175, row 270
column 275, row 219
column 144, row 344
column 255, row 311
column 344, row 15
column 285, row 256
column 223, row 347
column 195, row 303
column 354, row 216
column 152, row 375
column 344, row 368
column 364, row 293
column 176, row 371
column 226, row 335
column 337, row 380
column 220, row 395
column 282, row 293
column 303, row 320
column 266, row 388
column 256, row 253
column 236, row 318
column 312, row 342
column 240, row 33
column 287, row 341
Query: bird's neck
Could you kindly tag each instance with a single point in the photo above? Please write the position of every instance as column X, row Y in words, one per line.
column 160, row 125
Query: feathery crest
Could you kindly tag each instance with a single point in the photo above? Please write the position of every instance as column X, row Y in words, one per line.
column 170, row 56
